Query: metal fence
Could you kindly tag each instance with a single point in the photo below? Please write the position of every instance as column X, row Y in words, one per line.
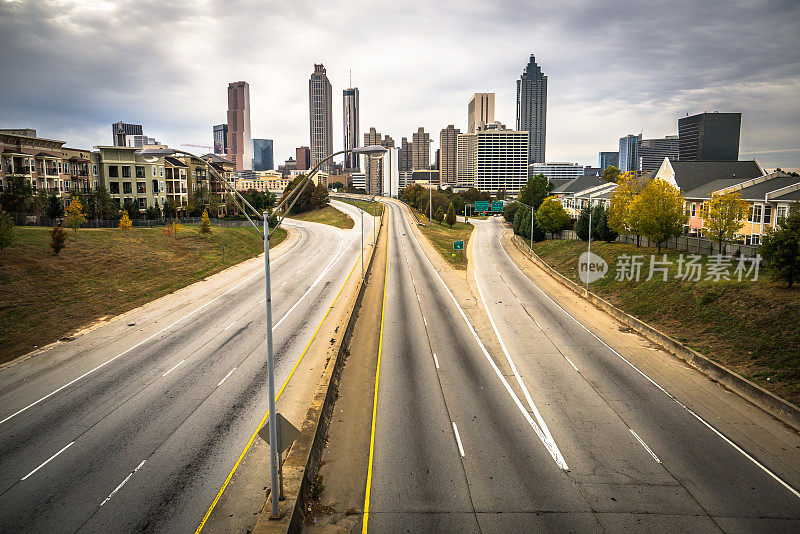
column 27, row 219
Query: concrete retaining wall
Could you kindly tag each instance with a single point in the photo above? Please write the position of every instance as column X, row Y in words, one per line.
column 769, row 402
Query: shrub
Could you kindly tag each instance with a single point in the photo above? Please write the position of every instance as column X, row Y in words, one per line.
column 58, row 238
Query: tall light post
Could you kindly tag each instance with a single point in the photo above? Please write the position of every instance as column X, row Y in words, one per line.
column 371, row 151
column 532, row 221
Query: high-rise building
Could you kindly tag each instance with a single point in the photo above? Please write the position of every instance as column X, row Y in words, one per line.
column 262, row 155
column 561, row 170
column 448, row 156
column 303, row 156
column 391, row 172
column 387, row 142
column 405, row 155
column 436, row 160
column 709, row 137
column 629, row 152
column 351, row 128
column 493, row 159
column 372, row 167
column 532, row 108
column 480, row 110
column 221, row 139
column 421, row 150
column 240, row 143
column 653, row 151
column 120, row 130
column 320, row 116
column 607, row 159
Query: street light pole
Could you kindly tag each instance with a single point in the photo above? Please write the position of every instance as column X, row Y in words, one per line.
column 273, row 427
column 362, row 244
column 588, row 256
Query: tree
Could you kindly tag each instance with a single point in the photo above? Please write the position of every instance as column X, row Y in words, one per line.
column 319, row 196
column 510, row 210
column 125, row 222
column 305, row 201
column 131, row 208
column 551, row 216
column 451, row 215
column 601, row 230
column 339, row 186
column 611, row 174
column 522, row 224
column 658, row 211
column 17, row 193
column 501, row 194
column 723, row 215
column 781, row 248
column 6, row 229
column 205, row 223
column 75, row 216
column 439, row 215
column 535, row 191
column 58, row 237
column 55, row 208
column 582, row 224
column 170, row 209
column 39, row 202
column 104, row 204
column 619, row 216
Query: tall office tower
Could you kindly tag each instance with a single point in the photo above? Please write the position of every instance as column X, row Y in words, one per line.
column 558, row 170
column 480, row 110
column 221, row 139
column 351, row 131
column 709, row 137
column 120, row 130
column 262, row 155
column 436, row 160
column 372, row 167
column 405, row 155
column 421, row 150
column 320, row 116
column 240, row 143
column 303, row 156
column 532, row 108
column 493, row 159
column 653, row 151
column 629, row 152
column 607, row 159
column 448, row 156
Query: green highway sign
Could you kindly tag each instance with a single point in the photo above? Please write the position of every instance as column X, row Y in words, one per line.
column 497, row 205
column 481, row 205
column 458, row 245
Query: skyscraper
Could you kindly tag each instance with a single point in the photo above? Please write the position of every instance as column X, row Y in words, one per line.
column 320, row 100
column 709, row 137
column 607, row 159
column 120, row 130
column 240, row 144
column 372, row 167
column 262, row 155
column 532, row 108
column 448, row 155
column 629, row 152
column 421, row 150
column 493, row 159
column 405, row 155
column 221, row 139
column 653, row 151
column 303, row 156
column 480, row 110
column 351, row 129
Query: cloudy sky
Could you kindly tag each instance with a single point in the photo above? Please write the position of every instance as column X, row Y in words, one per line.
column 70, row 68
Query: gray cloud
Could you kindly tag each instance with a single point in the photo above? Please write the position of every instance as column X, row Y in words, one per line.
column 71, row 68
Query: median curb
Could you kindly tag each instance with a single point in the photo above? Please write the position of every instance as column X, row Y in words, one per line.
column 777, row 407
column 301, row 464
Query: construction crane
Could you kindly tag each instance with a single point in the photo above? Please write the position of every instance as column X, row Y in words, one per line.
column 210, row 148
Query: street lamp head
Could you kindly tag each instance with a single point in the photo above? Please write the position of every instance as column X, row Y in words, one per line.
column 373, row 151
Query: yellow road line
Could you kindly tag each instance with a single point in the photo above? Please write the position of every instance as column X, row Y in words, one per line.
column 375, row 398
column 263, row 419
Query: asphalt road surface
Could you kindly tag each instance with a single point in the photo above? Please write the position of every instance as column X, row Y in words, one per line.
column 135, row 425
column 557, row 433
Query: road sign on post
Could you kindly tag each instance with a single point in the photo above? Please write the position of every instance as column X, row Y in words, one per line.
column 497, row 206
column 482, row 206
column 458, row 245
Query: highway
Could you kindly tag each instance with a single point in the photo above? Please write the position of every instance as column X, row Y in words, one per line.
column 135, row 425
column 526, row 421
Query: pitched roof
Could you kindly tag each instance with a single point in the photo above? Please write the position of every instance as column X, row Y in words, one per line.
column 580, row 183
column 759, row 191
column 174, row 162
column 691, row 175
column 704, row 190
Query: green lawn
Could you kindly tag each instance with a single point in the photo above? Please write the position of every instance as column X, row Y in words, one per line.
column 365, row 205
column 750, row 327
column 327, row 215
column 103, row 272
column 442, row 236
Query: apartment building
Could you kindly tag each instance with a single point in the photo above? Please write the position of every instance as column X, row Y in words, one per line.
column 493, row 159
column 128, row 175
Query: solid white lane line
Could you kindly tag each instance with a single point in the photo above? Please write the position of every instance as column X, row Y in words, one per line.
column 67, row 446
column 424, row 320
column 514, row 397
column 667, row 393
column 435, row 360
column 640, row 440
column 230, row 325
column 458, row 440
column 418, row 300
column 570, row 362
column 226, row 376
column 87, row 373
column 127, row 478
column 174, row 367
column 549, row 442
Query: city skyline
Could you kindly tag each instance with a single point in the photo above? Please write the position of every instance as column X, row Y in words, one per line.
column 178, row 103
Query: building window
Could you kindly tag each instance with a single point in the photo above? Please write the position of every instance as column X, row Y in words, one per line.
column 754, row 239
column 95, row 184
column 113, row 188
column 140, row 171
column 153, row 168
column 126, row 171
column 155, row 186
column 780, row 215
column 767, row 214
column 161, row 172
column 126, row 188
column 162, row 187
column 66, row 185
column 694, row 208
column 94, row 169
column 757, row 213
column 113, row 171
column 141, row 188
column 142, row 203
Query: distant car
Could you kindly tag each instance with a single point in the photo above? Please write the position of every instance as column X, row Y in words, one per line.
column 497, row 215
